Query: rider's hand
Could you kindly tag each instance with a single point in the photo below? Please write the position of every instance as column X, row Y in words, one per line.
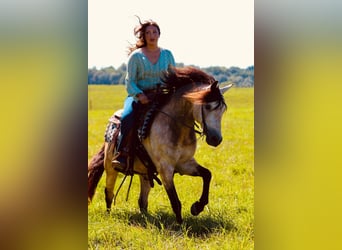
column 143, row 98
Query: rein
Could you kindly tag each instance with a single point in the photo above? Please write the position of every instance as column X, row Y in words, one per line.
column 201, row 133
column 129, row 188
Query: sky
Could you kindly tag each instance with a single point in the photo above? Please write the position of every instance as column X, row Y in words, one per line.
column 200, row 33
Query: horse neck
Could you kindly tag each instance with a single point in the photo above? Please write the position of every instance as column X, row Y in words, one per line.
column 181, row 109
column 197, row 113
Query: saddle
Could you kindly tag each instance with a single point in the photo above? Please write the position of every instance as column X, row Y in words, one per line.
column 143, row 126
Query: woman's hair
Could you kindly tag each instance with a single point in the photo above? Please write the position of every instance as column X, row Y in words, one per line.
column 139, row 32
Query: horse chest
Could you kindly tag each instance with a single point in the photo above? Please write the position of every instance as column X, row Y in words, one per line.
column 184, row 139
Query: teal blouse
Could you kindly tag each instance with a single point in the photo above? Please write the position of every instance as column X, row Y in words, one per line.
column 142, row 74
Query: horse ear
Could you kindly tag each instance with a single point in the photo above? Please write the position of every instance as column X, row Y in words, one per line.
column 214, row 85
column 225, row 88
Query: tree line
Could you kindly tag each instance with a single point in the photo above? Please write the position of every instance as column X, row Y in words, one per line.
column 240, row 77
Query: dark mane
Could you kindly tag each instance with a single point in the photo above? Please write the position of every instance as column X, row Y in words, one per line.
column 195, row 84
column 176, row 77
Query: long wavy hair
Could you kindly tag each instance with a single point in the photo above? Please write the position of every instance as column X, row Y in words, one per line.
column 139, row 33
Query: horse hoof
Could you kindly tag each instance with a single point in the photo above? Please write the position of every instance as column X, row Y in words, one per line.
column 179, row 220
column 194, row 209
column 143, row 211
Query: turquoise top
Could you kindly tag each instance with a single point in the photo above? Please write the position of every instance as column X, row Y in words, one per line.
column 142, row 74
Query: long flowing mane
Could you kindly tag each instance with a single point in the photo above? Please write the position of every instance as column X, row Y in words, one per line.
column 178, row 77
column 193, row 84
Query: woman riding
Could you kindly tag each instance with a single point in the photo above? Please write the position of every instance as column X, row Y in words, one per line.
column 146, row 64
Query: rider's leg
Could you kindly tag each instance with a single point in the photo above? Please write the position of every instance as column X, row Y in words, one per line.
column 125, row 137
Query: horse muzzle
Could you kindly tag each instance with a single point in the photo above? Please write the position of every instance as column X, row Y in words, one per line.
column 213, row 140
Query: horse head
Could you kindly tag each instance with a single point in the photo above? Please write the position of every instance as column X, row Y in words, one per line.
column 204, row 92
column 209, row 112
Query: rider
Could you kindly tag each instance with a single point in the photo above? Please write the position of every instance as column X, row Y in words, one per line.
column 146, row 64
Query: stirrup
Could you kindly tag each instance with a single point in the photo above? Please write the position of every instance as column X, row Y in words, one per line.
column 120, row 166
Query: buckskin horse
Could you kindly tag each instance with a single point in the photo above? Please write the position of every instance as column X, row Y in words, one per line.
column 189, row 97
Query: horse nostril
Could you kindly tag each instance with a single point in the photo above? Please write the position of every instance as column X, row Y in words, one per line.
column 214, row 140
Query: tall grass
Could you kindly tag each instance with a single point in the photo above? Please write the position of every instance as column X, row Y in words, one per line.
column 227, row 222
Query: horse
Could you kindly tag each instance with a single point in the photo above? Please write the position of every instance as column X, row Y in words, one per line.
column 194, row 98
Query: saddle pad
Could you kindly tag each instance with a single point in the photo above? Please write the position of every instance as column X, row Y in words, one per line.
column 113, row 127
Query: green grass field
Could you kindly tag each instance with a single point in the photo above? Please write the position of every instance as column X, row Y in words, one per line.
column 227, row 222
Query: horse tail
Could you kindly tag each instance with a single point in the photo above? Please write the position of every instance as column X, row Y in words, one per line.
column 95, row 171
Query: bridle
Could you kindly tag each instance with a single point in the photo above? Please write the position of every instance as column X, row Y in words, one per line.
column 205, row 127
column 195, row 127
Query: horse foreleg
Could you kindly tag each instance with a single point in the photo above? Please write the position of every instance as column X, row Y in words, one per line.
column 145, row 188
column 167, row 179
column 192, row 168
column 198, row 206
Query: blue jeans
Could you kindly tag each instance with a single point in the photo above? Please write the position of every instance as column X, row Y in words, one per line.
column 127, row 118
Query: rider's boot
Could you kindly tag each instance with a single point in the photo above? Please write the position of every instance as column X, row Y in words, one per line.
column 120, row 162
